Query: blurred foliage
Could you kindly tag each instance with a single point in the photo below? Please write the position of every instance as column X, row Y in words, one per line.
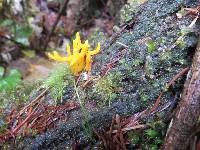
column 19, row 32
column 10, row 81
column 13, row 91
column 29, row 53
column 1, row 3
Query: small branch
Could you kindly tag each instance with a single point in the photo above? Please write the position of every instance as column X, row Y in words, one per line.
column 55, row 24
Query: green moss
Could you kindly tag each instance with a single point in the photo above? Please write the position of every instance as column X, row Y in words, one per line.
column 126, row 13
column 59, row 78
column 133, row 138
column 107, row 88
column 17, row 95
column 97, row 36
column 137, row 62
column 149, row 68
column 143, row 96
column 134, row 74
column 151, row 46
column 128, row 10
column 165, row 55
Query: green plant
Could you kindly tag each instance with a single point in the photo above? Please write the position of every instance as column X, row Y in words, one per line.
column 151, row 46
column 151, row 133
column 153, row 137
column 133, row 138
column 143, row 96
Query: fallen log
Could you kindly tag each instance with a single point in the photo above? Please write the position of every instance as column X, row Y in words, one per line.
column 140, row 82
column 187, row 114
column 74, row 130
column 140, row 75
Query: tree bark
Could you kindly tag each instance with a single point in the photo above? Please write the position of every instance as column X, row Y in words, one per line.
column 188, row 111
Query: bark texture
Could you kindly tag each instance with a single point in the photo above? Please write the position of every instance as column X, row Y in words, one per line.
column 188, row 111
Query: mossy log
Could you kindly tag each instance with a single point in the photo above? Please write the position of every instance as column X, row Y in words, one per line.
column 152, row 59
column 73, row 130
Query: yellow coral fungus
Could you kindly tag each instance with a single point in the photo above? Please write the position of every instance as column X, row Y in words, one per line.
column 80, row 58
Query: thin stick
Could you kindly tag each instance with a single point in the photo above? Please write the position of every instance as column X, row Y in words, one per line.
column 15, row 131
column 182, row 72
column 131, row 128
column 34, row 101
column 55, row 24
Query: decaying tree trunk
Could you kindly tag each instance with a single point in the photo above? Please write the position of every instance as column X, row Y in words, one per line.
column 188, row 110
column 73, row 130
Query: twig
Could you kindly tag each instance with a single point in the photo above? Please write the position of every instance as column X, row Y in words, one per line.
column 131, row 128
column 15, row 131
column 34, row 101
column 171, row 82
column 111, row 127
column 182, row 72
column 156, row 103
column 55, row 24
